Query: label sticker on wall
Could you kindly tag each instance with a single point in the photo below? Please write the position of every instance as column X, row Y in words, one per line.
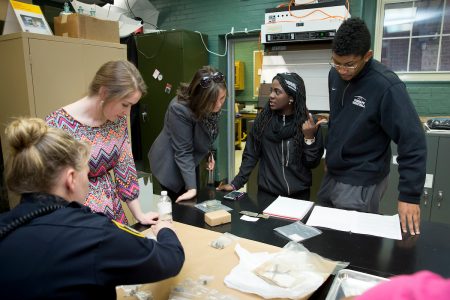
column 156, row 73
column 428, row 181
column 168, row 88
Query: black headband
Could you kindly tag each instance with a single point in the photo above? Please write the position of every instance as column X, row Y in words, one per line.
column 290, row 82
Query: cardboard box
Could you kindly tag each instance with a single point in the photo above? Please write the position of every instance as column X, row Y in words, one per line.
column 3, row 9
column 217, row 217
column 86, row 27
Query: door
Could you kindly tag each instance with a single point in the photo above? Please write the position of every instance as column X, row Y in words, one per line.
column 49, row 60
column 440, row 210
column 389, row 202
column 165, row 60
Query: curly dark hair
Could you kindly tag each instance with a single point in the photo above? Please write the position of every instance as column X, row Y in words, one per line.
column 300, row 114
column 352, row 38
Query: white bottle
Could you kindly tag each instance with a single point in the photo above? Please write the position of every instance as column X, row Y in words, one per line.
column 165, row 207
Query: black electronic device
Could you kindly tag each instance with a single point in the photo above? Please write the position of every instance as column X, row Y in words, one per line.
column 234, row 195
column 439, row 123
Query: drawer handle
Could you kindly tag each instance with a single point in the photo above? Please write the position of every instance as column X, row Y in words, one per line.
column 440, row 198
column 425, row 197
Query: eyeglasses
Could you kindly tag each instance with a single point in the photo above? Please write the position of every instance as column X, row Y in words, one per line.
column 343, row 67
column 217, row 77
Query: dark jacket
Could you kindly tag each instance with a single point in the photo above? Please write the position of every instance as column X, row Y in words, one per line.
column 366, row 113
column 279, row 172
column 72, row 253
column 179, row 148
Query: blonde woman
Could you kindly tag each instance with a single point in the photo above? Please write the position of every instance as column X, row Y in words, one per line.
column 100, row 119
column 56, row 248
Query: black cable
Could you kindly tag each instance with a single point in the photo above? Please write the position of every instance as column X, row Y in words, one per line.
column 136, row 17
column 156, row 52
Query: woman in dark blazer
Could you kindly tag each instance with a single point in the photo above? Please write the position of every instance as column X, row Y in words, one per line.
column 190, row 128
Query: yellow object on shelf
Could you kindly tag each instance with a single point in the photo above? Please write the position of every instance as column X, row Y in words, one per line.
column 238, row 75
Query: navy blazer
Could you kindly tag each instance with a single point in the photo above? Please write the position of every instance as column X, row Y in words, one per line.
column 179, row 148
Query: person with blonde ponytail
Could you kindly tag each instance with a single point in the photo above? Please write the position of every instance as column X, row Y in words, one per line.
column 100, row 119
column 52, row 246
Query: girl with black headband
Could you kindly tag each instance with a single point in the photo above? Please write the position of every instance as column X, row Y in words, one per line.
column 286, row 142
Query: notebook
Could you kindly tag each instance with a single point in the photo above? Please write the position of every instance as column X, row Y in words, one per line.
column 289, row 208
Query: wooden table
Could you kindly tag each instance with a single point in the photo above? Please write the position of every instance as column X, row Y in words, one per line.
column 203, row 260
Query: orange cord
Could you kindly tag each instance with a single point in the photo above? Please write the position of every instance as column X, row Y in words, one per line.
column 328, row 16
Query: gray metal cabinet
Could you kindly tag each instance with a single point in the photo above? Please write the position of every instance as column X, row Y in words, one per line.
column 40, row 73
column 435, row 202
column 440, row 205
column 165, row 59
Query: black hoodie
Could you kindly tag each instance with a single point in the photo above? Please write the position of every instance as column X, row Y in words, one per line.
column 366, row 113
column 279, row 172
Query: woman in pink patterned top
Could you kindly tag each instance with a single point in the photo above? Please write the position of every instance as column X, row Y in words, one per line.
column 100, row 119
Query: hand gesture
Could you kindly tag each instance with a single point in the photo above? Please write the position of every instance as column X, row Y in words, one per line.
column 211, row 162
column 160, row 225
column 225, row 187
column 149, row 218
column 309, row 127
column 187, row 196
column 409, row 215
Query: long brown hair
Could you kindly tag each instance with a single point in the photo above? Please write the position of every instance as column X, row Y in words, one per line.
column 120, row 79
column 199, row 99
column 38, row 154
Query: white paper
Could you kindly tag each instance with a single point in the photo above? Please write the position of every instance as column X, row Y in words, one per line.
column 155, row 73
column 356, row 222
column 428, row 181
column 249, row 219
column 330, row 218
column 289, row 208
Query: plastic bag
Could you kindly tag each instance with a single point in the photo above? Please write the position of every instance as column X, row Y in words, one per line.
column 223, row 241
column 197, row 289
column 304, row 272
column 212, row 205
column 298, row 231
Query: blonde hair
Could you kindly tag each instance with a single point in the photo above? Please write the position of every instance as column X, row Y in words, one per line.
column 38, row 154
column 120, row 79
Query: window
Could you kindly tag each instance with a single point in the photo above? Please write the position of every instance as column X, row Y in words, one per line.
column 413, row 38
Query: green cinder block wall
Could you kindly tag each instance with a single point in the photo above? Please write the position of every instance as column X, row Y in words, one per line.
column 243, row 51
column 430, row 98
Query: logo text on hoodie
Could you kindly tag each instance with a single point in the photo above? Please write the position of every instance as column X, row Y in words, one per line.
column 359, row 101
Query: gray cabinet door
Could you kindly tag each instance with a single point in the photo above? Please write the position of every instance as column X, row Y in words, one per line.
column 427, row 197
column 388, row 204
column 440, row 210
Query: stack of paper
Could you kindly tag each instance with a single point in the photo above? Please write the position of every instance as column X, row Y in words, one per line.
column 356, row 222
column 288, row 208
